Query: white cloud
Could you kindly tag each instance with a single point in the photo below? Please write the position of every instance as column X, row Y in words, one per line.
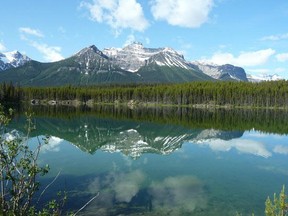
column 282, row 57
column 50, row 53
column 275, row 37
column 253, row 58
column 2, row 47
column 118, row 14
column 30, row 31
column 184, row 13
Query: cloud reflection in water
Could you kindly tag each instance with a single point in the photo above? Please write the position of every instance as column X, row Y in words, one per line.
column 281, row 149
column 241, row 145
column 53, row 145
column 176, row 195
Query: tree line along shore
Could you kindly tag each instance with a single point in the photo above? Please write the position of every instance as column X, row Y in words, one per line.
column 272, row 94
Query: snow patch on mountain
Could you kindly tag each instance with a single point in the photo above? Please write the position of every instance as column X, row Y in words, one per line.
column 209, row 68
column 134, row 56
column 12, row 59
column 264, row 77
column 169, row 57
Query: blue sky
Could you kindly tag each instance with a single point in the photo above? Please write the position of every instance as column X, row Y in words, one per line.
column 251, row 34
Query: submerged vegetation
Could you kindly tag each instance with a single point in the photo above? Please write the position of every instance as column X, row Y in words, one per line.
column 232, row 94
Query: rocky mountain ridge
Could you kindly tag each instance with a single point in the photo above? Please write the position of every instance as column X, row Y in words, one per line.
column 90, row 66
column 222, row 72
column 131, row 64
column 134, row 56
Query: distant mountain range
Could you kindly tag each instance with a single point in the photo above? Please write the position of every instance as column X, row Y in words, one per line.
column 129, row 65
column 222, row 72
column 264, row 77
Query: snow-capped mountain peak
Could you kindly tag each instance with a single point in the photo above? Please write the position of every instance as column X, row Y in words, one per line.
column 170, row 50
column 169, row 57
column 12, row 59
column 91, row 50
column 134, row 46
column 130, row 57
column 12, row 55
column 264, row 77
column 134, row 56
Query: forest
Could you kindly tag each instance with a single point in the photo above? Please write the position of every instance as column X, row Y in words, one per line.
column 272, row 94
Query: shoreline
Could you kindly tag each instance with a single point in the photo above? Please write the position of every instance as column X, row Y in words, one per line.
column 132, row 104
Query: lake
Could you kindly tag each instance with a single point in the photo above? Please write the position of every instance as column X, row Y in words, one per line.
column 162, row 161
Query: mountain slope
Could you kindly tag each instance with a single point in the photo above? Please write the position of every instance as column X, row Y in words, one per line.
column 153, row 73
column 131, row 64
column 87, row 67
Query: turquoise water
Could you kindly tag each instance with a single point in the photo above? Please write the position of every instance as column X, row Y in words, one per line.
column 137, row 167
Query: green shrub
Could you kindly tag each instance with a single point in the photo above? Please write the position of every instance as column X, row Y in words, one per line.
column 277, row 207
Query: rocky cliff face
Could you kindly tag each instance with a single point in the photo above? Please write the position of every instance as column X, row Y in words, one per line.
column 134, row 56
column 221, row 72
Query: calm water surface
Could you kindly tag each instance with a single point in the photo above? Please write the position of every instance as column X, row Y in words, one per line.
column 164, row 162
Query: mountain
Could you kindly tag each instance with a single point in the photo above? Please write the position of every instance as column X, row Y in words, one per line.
column 134, row 56
column 128, row 65
column 12, row 60
column 221, row 72
column 264, row 77
column 88, row 66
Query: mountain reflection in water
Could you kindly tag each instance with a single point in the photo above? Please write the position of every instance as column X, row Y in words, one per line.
column 133, row 137
column 161, row 161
